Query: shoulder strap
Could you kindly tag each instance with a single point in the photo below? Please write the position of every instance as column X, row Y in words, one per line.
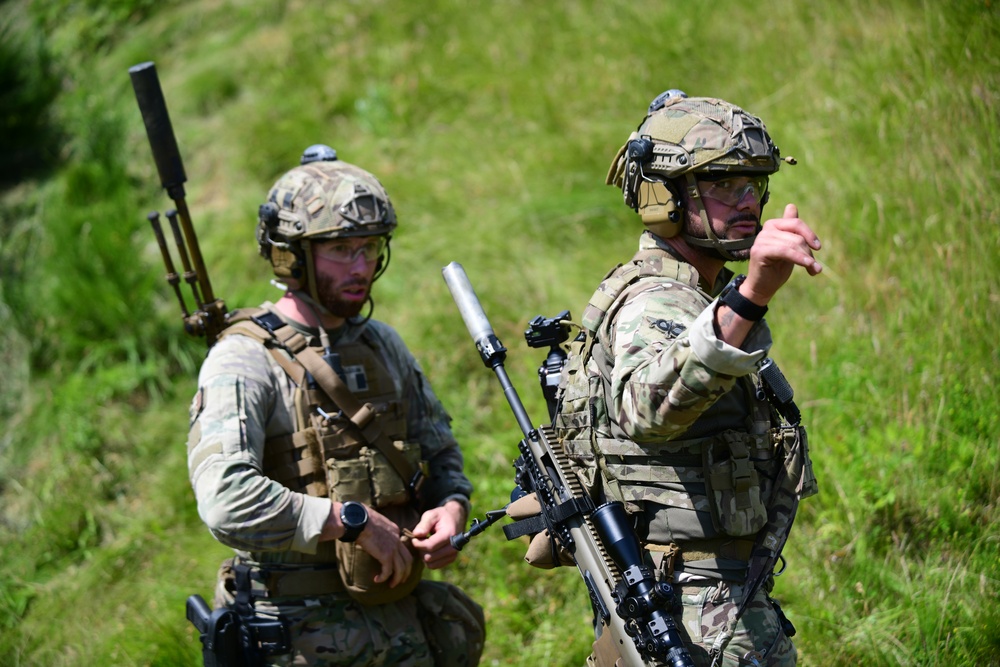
column 262, row 325
column 307, row 359
column 362, row 416
column 644, row 264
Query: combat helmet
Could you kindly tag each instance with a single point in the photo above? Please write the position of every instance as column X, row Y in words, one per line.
column 322, row 198
column 682, row 137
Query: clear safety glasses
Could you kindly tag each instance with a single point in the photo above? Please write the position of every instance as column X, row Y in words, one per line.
column 344, row 251
column 730, row 190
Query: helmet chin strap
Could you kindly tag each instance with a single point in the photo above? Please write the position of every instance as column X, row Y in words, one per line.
column 316, row 308
column 724, row 247
column 312, row 298
column 311, row 274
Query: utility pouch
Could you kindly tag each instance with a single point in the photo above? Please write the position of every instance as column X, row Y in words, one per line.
column 388, row 486
column 453, row 623
column 370, row 478
column 348, row 480
column 733, row 486
column 788, row 435
column 358, row 568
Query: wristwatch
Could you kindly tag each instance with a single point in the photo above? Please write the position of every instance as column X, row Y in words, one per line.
column 739, row 304
column 354, row 516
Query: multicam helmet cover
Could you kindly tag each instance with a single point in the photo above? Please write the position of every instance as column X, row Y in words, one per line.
column 322, row 198
column 681, row 136
column 706, row 134
column 330, row 199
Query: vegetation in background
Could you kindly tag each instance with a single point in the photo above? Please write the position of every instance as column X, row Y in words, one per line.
column 492, row 126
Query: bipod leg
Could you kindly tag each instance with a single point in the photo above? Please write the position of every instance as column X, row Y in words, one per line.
column 173, row 278
column 190, row 277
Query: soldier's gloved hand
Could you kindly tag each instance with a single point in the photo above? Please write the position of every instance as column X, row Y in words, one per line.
column 381, row 539
column 782, row 244
column 432, row 536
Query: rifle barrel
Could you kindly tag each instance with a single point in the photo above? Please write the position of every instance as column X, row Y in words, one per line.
column 549, row 479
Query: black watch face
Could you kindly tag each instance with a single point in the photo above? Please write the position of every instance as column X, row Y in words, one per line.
column 354, row 514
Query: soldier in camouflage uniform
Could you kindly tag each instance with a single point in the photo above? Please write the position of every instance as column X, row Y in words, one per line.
column 319, row 452
column 663, row 408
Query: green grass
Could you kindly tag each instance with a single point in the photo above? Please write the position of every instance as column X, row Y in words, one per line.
column 492, row 126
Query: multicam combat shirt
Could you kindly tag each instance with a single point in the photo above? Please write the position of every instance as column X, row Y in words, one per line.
column 672, row 375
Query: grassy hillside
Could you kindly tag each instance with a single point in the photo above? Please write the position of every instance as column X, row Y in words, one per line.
column 492, row 126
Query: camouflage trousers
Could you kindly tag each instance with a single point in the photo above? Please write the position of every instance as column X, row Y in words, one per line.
column 759, row 636
column 757, row 641
column 437, row 625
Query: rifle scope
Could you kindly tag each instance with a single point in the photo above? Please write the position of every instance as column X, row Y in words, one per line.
column 641, row 599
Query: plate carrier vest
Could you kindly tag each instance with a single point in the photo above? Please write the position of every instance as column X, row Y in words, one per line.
column 350, row 438
column 753, row 478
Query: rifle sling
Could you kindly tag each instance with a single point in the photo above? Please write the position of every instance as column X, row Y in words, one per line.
column 362, row 416
column 557, row 515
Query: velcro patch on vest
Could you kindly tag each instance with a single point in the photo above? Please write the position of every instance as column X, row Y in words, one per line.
column 669, row 327
column 356, row 378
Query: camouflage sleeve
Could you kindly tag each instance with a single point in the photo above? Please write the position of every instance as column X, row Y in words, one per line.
column 428, row 424
column 239, row 400
column 669, row 365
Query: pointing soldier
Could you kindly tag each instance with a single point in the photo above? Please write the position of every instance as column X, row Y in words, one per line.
column 673, row 405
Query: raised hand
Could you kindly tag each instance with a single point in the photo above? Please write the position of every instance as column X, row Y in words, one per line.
column 782, row 244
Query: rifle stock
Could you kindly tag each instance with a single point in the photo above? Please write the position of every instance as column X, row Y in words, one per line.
column 566, row 507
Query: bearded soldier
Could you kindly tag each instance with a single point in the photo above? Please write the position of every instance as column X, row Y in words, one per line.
column 320, row 454
column 672, row 404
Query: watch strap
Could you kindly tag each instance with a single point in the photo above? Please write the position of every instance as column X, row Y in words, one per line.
column 739, row 304
column 351, row 532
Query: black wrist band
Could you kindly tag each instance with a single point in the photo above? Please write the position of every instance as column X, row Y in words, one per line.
column 738, row 303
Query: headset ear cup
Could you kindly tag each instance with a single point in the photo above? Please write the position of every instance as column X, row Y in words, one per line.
column 659, row 209
column 286, row 263
column 616, row 172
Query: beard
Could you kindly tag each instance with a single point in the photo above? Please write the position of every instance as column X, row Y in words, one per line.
column 694, row 229
column 329, row 296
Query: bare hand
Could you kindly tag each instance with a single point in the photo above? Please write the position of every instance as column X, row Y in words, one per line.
column 782, row 244
column 381, row 539
column 433, row 534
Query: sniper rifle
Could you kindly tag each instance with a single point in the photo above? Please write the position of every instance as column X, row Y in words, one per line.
column 600, row 540
column 209, row 315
